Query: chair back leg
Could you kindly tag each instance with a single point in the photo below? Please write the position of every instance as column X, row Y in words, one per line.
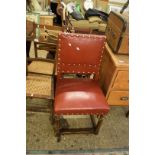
column 99, row 123
column 97, row 126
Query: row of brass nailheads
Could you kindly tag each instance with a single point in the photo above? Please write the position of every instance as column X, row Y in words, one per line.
column 90, row 70
column 85, row 65
column 82, row 35
column 75, row 72
column 77, row 65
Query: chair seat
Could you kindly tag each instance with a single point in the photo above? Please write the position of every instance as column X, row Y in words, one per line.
column 79, row 96
column 39, row 86
column 41, row 67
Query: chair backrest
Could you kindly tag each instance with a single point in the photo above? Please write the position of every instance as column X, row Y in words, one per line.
column 79, row 54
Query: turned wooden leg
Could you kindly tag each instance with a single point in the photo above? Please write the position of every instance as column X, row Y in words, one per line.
column 35, row 50
column 93, row 121
column 57, row 127
column 99, row 123
column 52, row 115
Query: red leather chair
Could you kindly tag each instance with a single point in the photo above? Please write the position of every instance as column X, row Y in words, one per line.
column 79, row 54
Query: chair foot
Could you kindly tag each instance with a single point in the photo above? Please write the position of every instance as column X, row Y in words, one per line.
column 64, row 123
column 127, row 114
column 59, row 139
column 51, row 118
column 95, row 133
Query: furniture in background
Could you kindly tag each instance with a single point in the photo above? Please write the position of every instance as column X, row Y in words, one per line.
column 53, row 6
column 117, row 5
column 30, row 29
column 40, row 71
column 30, row 35
column 79, row 54
column 115, row 82
column 40, row 74
column 93, row 23
column 117, row 32
column 47, row 20
column 43, row 24
column 41, row 8
column 125, row 6
column 39, row 81
column 114, row 79
column 47, row 41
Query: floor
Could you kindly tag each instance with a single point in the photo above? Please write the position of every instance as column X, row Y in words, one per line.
column 113, row 134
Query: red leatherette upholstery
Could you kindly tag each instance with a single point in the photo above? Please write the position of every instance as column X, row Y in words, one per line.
column 79, row 53
column 75, row 96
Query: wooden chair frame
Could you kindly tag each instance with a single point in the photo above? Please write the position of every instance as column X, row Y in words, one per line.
column 49, row 98
column 47, row 47
column 59, row 130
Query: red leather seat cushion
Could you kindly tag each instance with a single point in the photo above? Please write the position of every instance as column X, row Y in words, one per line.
column 79, row 96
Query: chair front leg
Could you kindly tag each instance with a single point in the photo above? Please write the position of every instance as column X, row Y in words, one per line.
column 52, row 115
column 127, row 114
column 35, row 50
column 57, row 127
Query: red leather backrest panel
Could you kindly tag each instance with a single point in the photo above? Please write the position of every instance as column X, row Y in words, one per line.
column 79, row 53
